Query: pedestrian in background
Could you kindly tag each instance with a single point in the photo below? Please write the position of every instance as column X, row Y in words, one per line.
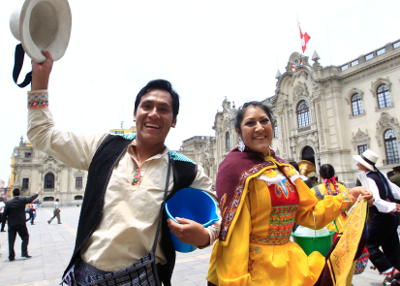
column 313, row 177
column 56, row 212
column 396, row 176
column 2, row 206
column 14, row 211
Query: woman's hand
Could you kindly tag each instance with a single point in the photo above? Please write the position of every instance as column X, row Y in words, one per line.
column 41, row 72
column 189, row 231
column 364, row 192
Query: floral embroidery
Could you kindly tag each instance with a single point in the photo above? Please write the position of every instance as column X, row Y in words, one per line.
column 251, row 261
column 136, row 176
column 38, row 100
column 230, row 210
column 255, row 249
column 346, row 249
column 281, row 222
column 214, row 231
column 283, row 187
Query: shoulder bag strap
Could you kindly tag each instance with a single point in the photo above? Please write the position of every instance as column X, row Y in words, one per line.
column 163, row 204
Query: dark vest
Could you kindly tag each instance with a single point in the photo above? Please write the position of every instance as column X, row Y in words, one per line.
column 106, row 157
column 381, row 184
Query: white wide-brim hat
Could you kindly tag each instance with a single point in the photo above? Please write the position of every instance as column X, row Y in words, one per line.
column 368, row 159
column 43, row 25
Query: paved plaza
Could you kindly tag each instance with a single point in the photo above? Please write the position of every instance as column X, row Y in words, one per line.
column 51, row 247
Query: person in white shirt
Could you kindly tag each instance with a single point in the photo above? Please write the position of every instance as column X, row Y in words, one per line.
column 126, row 183
column 384, row 218
column 56, row 212
column 2, row 206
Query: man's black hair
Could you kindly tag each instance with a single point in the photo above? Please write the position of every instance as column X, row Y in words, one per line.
column 16, row 192
column 295, row 165
column 163, row 85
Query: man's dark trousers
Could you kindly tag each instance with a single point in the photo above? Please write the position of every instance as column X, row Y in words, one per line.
column 2, row 221
column 23, row 234
column 383, row 232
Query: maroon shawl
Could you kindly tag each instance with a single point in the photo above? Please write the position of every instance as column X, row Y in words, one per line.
column 231, row 179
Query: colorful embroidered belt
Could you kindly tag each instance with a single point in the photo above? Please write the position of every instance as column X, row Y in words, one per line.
column 273, row 238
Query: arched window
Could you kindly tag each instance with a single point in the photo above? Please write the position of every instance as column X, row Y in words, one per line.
column 275, row 129
column 356, row 104
column 49, row 181
column 303, row 114
column 383, row 96
column 79, row 198
column 392, row 151
column 48, row 199
column 227, row 141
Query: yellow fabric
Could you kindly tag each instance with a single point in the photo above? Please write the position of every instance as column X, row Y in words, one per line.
column 239, row 262
column 342, row 257
column 338, row 224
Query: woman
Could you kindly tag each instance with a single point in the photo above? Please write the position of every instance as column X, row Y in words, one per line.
column 330, row 187
column 261, row 196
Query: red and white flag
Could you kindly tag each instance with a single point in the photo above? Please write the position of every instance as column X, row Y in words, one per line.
column 304, row 38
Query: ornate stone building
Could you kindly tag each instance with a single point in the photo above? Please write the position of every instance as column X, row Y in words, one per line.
column 33, row 170
column 328, row 114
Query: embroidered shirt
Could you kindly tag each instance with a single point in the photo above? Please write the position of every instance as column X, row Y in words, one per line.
column 128, row 225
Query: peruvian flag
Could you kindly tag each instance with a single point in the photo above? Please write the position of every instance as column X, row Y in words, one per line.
column 304, row 38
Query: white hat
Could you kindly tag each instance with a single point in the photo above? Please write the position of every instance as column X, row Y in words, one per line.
column 368, row 159
column 43, row 25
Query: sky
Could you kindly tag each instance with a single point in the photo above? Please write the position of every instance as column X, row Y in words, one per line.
column 209, row 50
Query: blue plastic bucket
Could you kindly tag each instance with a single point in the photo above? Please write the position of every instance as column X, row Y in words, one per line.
column 191, row 204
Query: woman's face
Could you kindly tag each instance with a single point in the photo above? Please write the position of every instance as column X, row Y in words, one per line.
column 256, row 129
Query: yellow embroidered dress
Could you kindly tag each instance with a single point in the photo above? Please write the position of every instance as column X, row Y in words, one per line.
column 321, row 191
column 254, row 246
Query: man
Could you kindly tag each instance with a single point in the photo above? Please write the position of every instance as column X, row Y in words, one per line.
column 56, row 212
column 313, row 177
column 396, row 176
column 14, row 212
column 303, row 178
column 2, row 206
column 126, row 182
column 384, row 220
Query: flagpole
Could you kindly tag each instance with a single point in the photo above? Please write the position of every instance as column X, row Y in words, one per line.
column 329, row 46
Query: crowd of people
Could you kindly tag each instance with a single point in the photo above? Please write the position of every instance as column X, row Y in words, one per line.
column 123, row 231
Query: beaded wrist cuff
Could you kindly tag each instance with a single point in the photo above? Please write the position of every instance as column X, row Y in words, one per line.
column 38, row 100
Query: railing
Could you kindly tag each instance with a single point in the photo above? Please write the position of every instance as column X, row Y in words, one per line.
column 369, row 56
column 391, row 161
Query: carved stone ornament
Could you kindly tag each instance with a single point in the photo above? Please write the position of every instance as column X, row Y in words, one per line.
column 300, row 89
column 360, row 138
column 384, row 123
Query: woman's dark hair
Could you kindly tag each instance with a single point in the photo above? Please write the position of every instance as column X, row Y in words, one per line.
column 163, row 85
column 327, row 171
column 240, row 113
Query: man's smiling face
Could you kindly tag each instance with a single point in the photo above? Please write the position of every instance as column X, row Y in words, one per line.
column 154, row 118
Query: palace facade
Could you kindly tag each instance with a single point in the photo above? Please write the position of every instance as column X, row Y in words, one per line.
column 323, row 114
column 33, row 170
